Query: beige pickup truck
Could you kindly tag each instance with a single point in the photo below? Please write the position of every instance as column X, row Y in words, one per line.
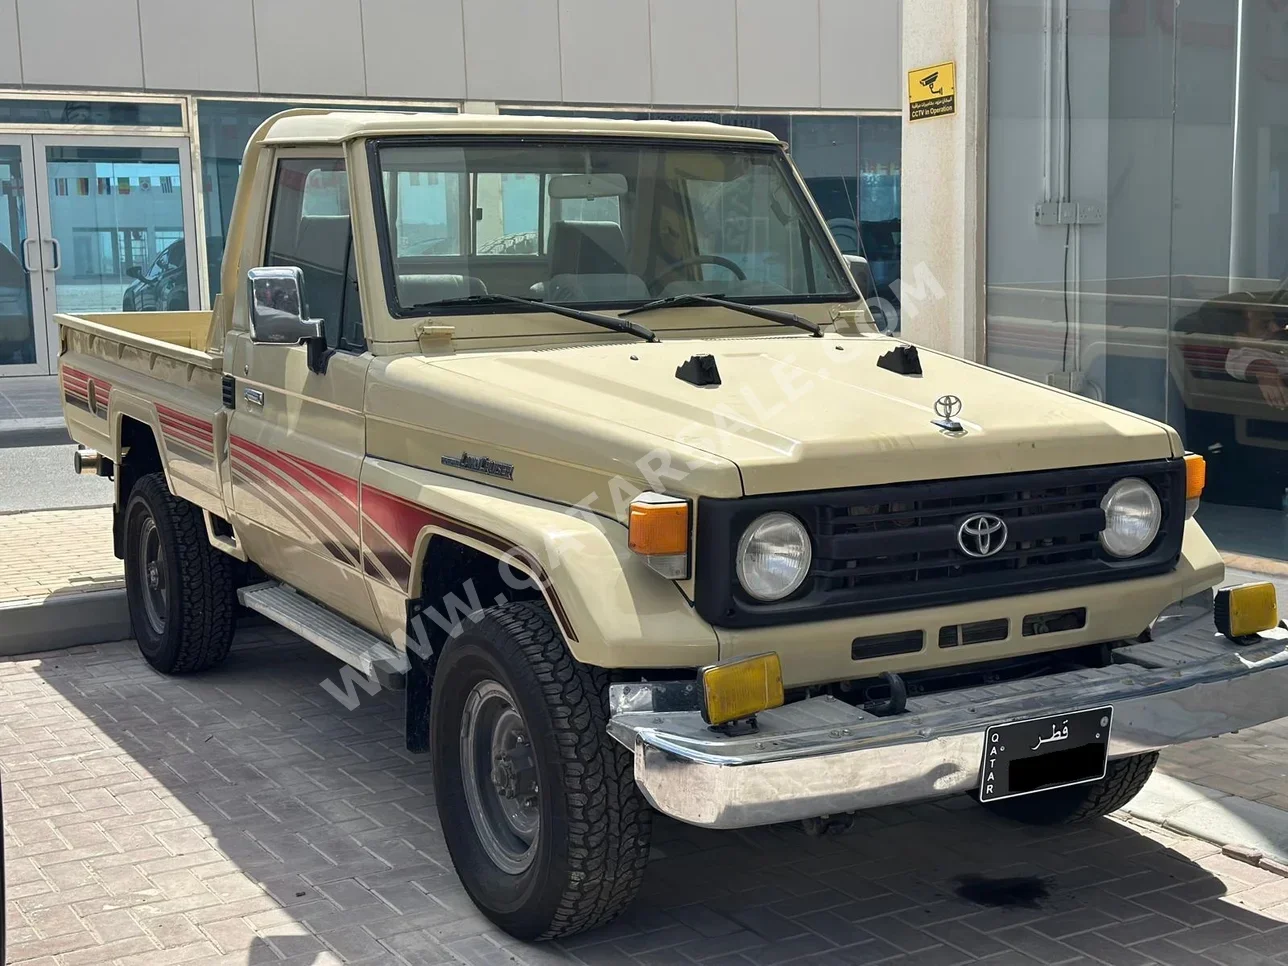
column 579, row 433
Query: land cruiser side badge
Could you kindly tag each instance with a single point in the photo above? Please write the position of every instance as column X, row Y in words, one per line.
column 480, row 464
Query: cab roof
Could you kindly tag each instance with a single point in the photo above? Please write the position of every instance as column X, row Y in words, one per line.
column 333, row 127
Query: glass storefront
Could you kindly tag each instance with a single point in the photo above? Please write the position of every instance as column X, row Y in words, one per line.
column 96, row 215
column 109, row 178
column 1137, row 236
column 224, row 127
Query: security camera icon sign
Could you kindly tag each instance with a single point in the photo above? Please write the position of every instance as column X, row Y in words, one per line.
column 929, row 81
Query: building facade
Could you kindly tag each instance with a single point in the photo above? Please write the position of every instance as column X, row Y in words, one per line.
column 122, row 122
column 1105, row 214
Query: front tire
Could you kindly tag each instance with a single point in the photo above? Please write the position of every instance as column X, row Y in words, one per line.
column 178, row 587
column 1124, row 778
column 542, row 817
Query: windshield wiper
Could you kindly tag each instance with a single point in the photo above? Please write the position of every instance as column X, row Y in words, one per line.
column 694, row 298
column 603, row 321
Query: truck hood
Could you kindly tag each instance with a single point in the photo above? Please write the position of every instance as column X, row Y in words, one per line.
column 796, row 413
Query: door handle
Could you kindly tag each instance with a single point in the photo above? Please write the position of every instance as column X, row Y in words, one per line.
column 58, row 254
column 26, row 254
column 253, row 396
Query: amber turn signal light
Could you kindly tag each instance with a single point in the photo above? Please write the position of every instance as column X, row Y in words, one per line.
column 741, row 687
column 1195, row 475
column 1246, row 610
column 659, row 525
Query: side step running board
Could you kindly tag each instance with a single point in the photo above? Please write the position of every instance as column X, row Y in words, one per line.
column 328, row 630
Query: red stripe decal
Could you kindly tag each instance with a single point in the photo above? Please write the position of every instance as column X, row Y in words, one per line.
column 299, row 493
column 191, row 439
column 341, row 545
column 397, row 517
column 180, row 417
column 315, row 480
column 345, row 486
column 205, row 435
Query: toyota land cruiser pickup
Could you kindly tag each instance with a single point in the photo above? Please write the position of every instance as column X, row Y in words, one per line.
column 579, row 433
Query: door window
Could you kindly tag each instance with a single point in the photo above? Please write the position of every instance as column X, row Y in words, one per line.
column 309, row 229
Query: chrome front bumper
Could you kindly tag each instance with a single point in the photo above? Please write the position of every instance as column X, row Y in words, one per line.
column 821, row 756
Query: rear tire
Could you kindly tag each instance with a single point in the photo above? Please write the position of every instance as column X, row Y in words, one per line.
column 572, row 856
column 1124, row 778
column 178, row 587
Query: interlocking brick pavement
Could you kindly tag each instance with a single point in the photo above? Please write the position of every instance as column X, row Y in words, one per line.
column 1252, row 764
column 56, row 552
column 243, row 817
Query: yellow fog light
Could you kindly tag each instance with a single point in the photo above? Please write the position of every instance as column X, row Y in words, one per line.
column 1246, row 610
column 741, row 687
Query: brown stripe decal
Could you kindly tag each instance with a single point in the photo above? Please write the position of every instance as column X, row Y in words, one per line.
column 339, row 542
column 381, row 539
column 403, row 521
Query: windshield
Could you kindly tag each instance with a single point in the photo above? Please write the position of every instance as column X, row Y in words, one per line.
column 607, row 223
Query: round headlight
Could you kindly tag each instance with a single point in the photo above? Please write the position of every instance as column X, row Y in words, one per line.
column 1132, row 517
column 773, row 556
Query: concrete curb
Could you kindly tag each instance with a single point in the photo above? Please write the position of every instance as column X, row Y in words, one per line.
column 33, row 432
column 1244, row 829
column 92, row 617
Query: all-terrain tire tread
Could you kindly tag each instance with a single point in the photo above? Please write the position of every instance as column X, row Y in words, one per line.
column 206, row 580
column 1124, row 778
column 609, row 821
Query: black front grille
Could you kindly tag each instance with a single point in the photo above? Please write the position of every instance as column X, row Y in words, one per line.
column 889, row 548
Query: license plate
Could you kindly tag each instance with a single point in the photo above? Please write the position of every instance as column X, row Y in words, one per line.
column 1039, row 754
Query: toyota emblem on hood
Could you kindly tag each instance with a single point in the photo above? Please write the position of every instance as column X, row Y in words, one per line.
column 982, row 535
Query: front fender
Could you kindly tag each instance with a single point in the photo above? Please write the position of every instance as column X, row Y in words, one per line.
column 614, row 611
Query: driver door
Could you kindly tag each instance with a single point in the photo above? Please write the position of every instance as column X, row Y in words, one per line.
column 297, row 431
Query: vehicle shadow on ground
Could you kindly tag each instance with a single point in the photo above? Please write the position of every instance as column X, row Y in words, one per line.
column 282, row 826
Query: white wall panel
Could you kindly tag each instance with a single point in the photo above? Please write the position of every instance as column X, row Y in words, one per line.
column 605, row 51
column 776, row 54
column 196, row 45
column 73, row 43
column 695, row 52
column 512, row 50
column 414, row 50
column 859, row 50
column 309, row 46
column 10, row 60
column 778, row 62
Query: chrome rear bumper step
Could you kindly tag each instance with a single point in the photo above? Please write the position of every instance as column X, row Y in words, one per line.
column 328, row 630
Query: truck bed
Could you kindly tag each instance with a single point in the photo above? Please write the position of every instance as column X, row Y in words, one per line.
column 123, row 373
column 160, row 332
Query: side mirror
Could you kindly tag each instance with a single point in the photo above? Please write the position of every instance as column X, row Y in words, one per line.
column 862, row 275
column 278, row 308
column 135, row 272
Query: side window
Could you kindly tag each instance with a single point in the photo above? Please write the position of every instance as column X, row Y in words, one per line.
column 309, row 228
column 506, row 213
column 160, row 265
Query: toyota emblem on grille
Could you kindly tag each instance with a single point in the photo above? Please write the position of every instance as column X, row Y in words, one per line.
column 982, row 535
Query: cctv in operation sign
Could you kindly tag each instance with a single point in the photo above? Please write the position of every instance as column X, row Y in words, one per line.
column 932, row 91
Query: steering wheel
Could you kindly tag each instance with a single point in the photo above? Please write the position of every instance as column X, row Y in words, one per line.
column 720, row 260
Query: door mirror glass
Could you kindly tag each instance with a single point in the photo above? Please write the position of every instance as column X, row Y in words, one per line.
column 277, row 307
column 134, row 272
column 862, row 273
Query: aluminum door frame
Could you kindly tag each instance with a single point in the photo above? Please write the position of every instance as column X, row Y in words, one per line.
column 31, row 254
column 179, row 143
